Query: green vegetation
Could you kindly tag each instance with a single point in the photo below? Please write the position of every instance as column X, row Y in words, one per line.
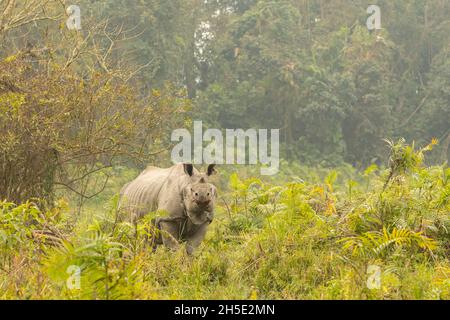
column 310, row 238
column 82, row 112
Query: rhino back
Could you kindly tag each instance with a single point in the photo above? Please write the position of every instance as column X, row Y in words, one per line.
column 155, row 188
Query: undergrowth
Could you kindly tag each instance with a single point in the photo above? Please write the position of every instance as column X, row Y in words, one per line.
column 314, row 237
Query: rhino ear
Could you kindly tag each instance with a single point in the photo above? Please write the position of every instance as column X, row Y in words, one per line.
column 211, row 169
column 188, row 168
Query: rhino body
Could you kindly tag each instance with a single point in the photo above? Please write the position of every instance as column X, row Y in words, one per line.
column 181, row 193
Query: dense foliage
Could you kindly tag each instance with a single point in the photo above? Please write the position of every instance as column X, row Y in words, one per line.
column 310, row 238
column 309, row 67
column 83, row 111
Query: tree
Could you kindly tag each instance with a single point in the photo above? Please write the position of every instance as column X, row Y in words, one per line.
column 70, row 109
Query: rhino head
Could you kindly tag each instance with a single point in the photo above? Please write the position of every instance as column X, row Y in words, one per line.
column 199, row 195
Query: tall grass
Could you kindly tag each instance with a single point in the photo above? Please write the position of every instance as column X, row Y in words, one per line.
column 313, row 237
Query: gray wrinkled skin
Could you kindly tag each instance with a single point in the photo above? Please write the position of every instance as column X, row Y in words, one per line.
column 180, row 192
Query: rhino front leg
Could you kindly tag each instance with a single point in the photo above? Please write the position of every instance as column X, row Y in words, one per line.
column 169, row 232
column 194, row 240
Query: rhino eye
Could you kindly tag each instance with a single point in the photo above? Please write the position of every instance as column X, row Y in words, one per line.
column 208, row 194
column 196, row 193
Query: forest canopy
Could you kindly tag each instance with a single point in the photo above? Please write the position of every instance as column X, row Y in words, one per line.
column 310, row 68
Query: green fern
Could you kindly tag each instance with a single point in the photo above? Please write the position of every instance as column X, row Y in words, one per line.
column 378, row 243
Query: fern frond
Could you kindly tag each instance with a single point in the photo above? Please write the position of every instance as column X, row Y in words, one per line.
column 378, row 242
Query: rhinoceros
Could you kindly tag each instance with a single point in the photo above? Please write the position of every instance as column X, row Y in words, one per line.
column 182, row 193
